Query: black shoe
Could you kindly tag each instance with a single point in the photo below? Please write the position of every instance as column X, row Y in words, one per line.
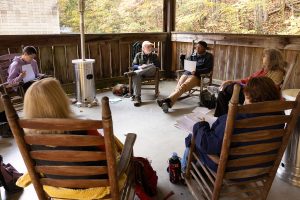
column 137, row 101
column 160, row 102
column 165, row 107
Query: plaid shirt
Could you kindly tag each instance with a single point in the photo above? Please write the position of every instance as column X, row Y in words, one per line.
column 141, row 58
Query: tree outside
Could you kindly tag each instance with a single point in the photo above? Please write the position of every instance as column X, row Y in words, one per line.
column 210, row 16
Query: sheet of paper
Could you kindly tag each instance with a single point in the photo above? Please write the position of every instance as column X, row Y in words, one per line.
column 190, row 65
column 203, row 110
column 114, row 100
column 29, row 73
column 187, row 121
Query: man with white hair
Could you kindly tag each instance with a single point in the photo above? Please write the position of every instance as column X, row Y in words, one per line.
column 143, row 65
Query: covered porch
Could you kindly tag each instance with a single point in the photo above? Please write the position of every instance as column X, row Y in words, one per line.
column 235, row 56
column 156, row 142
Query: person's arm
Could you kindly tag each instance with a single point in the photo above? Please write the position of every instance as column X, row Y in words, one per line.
column 207, row 140
column 136, row 62
column 202, row 125
column 35, row 69
column 206, row 67
column 15, row 74
column 156, row 60
column 255, row 74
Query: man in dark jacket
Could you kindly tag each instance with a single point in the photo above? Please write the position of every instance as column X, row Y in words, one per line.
column 143, row 65
column 204, row 65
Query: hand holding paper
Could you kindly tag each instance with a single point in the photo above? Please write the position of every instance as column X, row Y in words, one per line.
column 28, row 71
column 190, row 65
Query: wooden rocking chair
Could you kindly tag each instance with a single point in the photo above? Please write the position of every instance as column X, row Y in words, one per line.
column 112, row 170
column 244, row 183
column 205, row 79
column 15, row 91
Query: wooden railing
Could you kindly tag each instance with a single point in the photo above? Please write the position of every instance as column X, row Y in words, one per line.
column 238, row 56
column 112, row 53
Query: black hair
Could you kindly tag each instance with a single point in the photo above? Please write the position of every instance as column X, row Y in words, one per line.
column 29, row 50
column 203, row 43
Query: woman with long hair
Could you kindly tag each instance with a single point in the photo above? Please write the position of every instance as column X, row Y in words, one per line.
column 273, row 66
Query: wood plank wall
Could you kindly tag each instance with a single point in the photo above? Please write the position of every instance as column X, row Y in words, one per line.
column 238, row 56
column 112, row 53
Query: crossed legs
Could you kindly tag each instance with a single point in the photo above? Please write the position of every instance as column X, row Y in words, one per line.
column 185, row 83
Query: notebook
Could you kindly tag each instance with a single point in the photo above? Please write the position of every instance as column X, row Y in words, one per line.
column 190, row 65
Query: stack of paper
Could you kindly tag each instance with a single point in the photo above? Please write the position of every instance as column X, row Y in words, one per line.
column 187, row 121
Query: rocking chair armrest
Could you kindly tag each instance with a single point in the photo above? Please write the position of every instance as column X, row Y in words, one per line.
column 207, row 75
column 126, row 153
column 180, row 71
column 11, row 85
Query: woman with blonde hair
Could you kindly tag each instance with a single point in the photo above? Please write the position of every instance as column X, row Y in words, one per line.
column 47, row 99
column 273, row 67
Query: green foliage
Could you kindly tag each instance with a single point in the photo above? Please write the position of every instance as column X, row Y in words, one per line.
column 106, row 16
column 214, row 16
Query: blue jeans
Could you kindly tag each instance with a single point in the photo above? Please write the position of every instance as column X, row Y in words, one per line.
column 184, row 159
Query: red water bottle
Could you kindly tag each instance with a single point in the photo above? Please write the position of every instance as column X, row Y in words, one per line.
column 174, row 168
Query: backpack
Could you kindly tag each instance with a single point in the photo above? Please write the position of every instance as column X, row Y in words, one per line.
column 145, row 176
column 120, row 89
column 8, row 177
column 207, row 99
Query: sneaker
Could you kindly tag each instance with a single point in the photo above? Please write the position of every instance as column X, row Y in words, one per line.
column 165, row 107
column 137, row 101
column 131, row 73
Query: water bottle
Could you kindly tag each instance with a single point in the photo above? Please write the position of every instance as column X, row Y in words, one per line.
column 174, row 168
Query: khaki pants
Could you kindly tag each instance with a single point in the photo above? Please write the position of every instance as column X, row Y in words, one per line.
column 185, row 83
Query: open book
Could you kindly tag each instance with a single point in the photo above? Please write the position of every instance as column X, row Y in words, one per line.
column 187, row 121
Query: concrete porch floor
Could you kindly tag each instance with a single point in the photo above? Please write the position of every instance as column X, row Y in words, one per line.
column 157, row 138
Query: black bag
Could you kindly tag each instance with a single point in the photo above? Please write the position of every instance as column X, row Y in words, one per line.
column 120, row 89
column 207, row 99
column 8, row 177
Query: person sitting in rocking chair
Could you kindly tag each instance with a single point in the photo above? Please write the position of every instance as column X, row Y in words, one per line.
column 143, row 65
column 189, row 80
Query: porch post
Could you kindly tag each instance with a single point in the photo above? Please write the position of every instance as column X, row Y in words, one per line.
column 169, row 10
